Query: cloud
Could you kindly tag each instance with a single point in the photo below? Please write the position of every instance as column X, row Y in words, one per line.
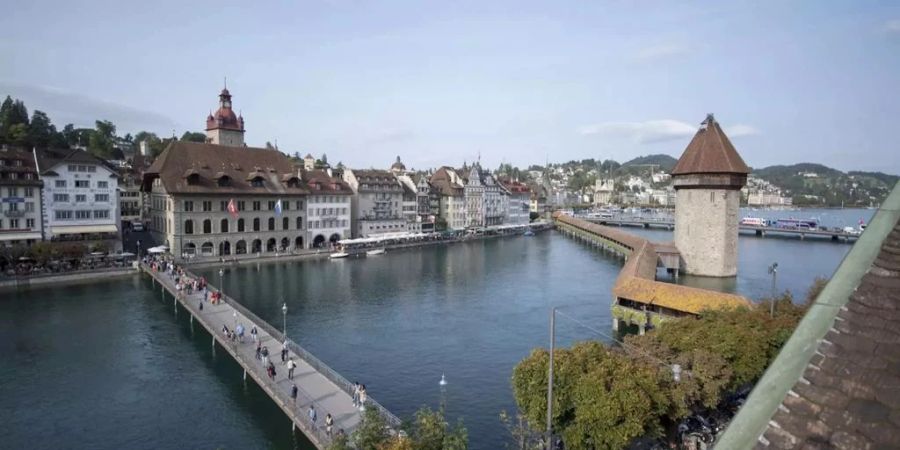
column 892, row 26
column 69, row 107
column 652, row 131
column 659, row 51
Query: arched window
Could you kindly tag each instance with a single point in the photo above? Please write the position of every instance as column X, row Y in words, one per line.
column 223, row 227
column 256, row 224
column 189, row 226
column 271, row 224
column 207, row 226
column 285, row 224
column 241, row 226
column 299, row 223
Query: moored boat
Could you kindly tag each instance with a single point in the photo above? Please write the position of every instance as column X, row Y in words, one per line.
column 336, row 255
column 377, row 251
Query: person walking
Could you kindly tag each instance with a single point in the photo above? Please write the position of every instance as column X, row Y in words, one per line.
column 329, row 422
column 265, row 356
column 258, row 352
column 294, row 394
column 254, row 334
column 284, row 352
column 362, row 397
column 291, row 365
column 312, row 414
column 356, row 393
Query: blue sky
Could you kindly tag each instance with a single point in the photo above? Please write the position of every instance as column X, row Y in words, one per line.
column 442, row 82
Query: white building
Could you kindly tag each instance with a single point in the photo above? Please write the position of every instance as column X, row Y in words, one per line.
column 451, row 194
column 377, row 202
column 518, row 207
column 410, row 205
column 603, row 191
column 328, row 213
column 80, row 198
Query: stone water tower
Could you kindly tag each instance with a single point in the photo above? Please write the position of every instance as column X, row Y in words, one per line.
column 708, row 179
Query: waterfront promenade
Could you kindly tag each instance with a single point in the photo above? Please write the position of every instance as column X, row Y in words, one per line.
column 317, row 384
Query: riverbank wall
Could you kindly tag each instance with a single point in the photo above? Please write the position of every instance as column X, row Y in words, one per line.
column 85, row 276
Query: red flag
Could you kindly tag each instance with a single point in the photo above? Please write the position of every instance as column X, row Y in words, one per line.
column 232, row 208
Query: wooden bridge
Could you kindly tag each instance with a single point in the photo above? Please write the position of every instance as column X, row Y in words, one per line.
column 669, row 224
column 318, row 385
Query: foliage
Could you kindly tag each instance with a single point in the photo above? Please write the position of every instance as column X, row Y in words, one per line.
column 665, row 162
column 372, row 432
column 100, row 143
column 533, row 215
column 524, row 436
column 428, row 430
column 191, row 136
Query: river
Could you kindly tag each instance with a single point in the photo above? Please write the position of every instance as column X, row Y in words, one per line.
column 107, row 365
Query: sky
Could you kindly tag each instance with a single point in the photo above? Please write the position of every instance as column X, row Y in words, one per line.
column 438, row 83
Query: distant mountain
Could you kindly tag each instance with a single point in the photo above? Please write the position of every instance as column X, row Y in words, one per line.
column 816, row 184
column 665, row 162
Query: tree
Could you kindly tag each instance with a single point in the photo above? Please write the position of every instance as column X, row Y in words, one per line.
column 17, row 134
column 13, row 122
column 101, row 139
column 430, row 431
column 41, row 130
column 372, row 432
column 190, row 136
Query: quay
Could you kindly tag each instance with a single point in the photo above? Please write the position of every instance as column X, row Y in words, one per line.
column 317, row 384
column 638, row 298
column 669, row 224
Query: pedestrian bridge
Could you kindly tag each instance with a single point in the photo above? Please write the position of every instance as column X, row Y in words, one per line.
column 318, row 385
column 637, row 296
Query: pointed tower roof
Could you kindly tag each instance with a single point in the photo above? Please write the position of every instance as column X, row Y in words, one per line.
column 710, row 152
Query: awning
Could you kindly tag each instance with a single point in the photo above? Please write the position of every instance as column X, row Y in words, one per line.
column 20, row 236
column 77, row 229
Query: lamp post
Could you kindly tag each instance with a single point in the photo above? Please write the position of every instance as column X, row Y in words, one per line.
column 773, row 269
column 284, row 321
column 221, row 285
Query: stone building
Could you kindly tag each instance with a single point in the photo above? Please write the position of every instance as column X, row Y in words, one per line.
column 20, row 192
column 377, row 202
column 410, row 205
column 131, row 200
column 448, row 185
column 519, row 204
column 224, row 127
column 212, row 200
column 80, row 198
column 708, row 179
column 486, row 199
column 398, row 168
column 604, row 188
column 427, row 202
column 328, row 214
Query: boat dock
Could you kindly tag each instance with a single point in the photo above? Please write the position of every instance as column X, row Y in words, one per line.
column 317, row 384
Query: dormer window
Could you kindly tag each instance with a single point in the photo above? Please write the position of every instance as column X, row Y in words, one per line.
column 224, row 181
column 257, row 181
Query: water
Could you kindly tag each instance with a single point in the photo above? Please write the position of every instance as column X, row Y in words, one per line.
column 108, row 366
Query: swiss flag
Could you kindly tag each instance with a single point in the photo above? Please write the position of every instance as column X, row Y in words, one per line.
column 232, row 208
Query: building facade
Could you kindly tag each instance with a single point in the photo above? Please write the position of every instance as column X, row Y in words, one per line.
column 708, row 178
column 20, row 198
column 410, row 206
column 80, row 198
column 474, row 192
column 131, row 200
column 519, row 203
column 377, row 202
column 450, row 190
column 210, row 200
column 329, row 211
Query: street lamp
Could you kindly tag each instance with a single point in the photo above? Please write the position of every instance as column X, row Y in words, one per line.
column 221, row 285
column 284, row 321
column 773, row 269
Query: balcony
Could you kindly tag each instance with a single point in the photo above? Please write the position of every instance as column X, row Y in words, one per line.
column 14, row 214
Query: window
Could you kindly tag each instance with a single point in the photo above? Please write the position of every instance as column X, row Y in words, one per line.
column 188, row 206
column 286, row 205
column 62, row 198
column 285, row 223
column 101, row 197
column 223, row 205
column 101, row 214
column 223, row 226
column 102, row 184
column 256, row 224
column 29, row 192
column 256, row 206
column 271, row 224
column 82, row 214
column 207, row 226
column 207, row 206
column 73, row 168
column 80, row 198
column 271, row 205
column 29, row 223
column 14, row 223
column 60, row 183
column 13, row 206
column 91, row 169
column 29, row 206
column 188, row 226
column 240, row 206
column 82, row 168
column 299, row 223
column 82, row 183
column 240, row 227
column 13, row 191
column 63, row 215
column 257, row 182
column 299, row 205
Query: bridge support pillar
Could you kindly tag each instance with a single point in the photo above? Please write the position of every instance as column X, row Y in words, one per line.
column 760, row 233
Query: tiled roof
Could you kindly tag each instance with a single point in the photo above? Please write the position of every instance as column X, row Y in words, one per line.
column 49, row 158
column 442, row 181
column 710, row 151
column 849, row 394
column 10, row 155
column 318, row 181
column 209, row 162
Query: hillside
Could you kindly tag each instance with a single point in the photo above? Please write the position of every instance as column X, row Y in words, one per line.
column 665, row 162
column 815, row 184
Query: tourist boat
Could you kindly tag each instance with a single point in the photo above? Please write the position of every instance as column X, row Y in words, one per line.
column 754, row 221
column 528, row 233
column 336, row 255
column 377, row 251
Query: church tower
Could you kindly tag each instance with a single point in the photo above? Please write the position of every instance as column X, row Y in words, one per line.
column 225, row 128
column 708, row 179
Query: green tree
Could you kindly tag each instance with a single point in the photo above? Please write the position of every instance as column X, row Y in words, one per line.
column 41, row 131
column 372, row 431
column 17, row 134
column 13, row 122
column 190, row 136
column 101, row 139
column 430, row 431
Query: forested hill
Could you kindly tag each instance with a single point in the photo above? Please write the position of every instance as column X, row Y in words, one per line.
column 816, row 184
column 665, row 162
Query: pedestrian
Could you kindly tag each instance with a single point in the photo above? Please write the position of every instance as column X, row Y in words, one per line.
column 356, row 393
column 205, row 295
column 200, row 306
column 253, row 334
column 258, row 352
column 291, row 365
column 284, row 352
column 265, row 355
column 362, row 397
column 294, row 394
column 329, row 422
column 312, row 414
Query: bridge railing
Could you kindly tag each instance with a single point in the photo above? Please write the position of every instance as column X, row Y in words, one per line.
column 310, row 359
